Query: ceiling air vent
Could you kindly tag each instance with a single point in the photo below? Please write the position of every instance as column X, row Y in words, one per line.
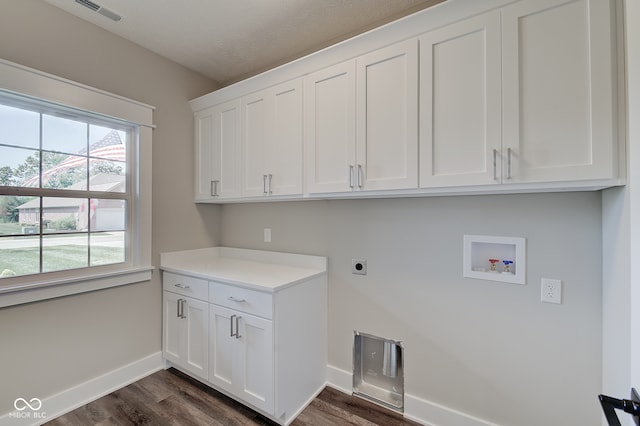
column 100, row 9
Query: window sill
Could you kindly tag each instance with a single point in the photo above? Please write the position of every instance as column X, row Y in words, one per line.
column 11, row 295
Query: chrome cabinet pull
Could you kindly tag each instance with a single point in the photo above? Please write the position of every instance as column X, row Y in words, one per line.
column 264, row 184
column 269, row 186
column 237, row 329
column 214, row 188
column 184, row 301
column 360, row 176
column 508, row 163
column 180, row 308
column 183, row 286
column 231, row 333
column 235, row 299
column 495, row 164
column 350, row 173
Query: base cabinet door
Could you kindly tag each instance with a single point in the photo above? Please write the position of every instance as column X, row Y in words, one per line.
column 241, row 356
column 186, row 333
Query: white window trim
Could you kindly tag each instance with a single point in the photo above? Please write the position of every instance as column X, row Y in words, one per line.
column 25, row 81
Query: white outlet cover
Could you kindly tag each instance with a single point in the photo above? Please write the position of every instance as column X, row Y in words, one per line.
column 551, row 290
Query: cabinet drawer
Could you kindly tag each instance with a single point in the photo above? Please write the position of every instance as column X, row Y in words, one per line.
column 241, row 299
column 187, row 286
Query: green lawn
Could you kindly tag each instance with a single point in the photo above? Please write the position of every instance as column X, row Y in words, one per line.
column 10, row 228
column 24, row 261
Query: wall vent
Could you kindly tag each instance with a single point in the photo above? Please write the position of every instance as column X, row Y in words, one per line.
column 378, row 370
column 100, row 9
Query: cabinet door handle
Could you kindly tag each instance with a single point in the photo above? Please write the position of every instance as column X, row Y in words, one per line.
column 214, row 188
column 495, row 164
column 237, row 329
column 264, row 184
column 231, row 333
column 269, row 186
column 350, row 174
column 508, row 163
column 181, row 286
column 360, row 176
column 235, row 299
column 178, row 306
column 180, row 312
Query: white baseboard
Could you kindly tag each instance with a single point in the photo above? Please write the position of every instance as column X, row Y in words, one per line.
column 415, row 408
column 77, row 396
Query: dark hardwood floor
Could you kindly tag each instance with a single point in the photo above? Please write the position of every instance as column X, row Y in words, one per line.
column 169, row 397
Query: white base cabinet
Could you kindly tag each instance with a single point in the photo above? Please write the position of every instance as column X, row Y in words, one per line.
column 186, row 323
column 255, row 326
column 241, row 356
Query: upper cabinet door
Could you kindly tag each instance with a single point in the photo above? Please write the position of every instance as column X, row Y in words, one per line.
column 218, row 150
column 387, row 118
column 255, row 136
column 204, row 129
column 284, row 152
column 558, row 91
column 272, row 141
column 460, row 70
column 330, row 128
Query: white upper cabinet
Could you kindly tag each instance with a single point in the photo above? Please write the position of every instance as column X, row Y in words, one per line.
column 387, row 118
column 505, row 96
column 361, row 121
column 460, row 139
column 558, row 91
column 218, row 149
column 272, row 141
column 330, row 128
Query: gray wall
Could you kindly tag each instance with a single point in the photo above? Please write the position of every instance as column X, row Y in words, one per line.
column 52, row 345
column 487, row 349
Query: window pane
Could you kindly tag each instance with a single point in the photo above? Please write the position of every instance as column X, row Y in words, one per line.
column 64, row 171
column 108, row 176
column 19, row 256
column 64, row 215
column 63, row 135
column 19, row 127
column 19, row 167
column 60, row 252
column 18, row 215
column 107, row 248
column 107, row 215
column 109, row 144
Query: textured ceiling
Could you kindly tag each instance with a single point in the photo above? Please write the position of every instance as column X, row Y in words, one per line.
column 228, row 40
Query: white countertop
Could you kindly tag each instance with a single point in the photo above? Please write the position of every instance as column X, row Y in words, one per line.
column 255, row 269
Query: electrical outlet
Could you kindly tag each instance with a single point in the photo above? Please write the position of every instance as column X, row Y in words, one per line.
column 551, row 291
column 359, row 266
column 267, row 235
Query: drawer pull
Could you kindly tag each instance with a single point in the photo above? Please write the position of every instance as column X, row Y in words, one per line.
column 181, row 286
column 235, row 299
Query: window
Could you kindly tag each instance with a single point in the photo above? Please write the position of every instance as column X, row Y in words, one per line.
column 75, row 187
column 64, row 194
